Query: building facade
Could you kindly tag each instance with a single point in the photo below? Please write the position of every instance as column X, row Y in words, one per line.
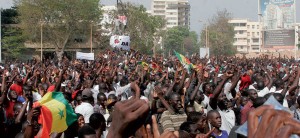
column 248, row 36
column 175, row 12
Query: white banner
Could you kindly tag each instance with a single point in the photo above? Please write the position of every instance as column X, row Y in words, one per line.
column 121, row 42
column 86, row 56
column 204, row 52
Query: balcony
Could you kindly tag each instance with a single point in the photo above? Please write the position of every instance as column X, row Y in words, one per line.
column 240, row 35
column 237, row 28
column 240, row 43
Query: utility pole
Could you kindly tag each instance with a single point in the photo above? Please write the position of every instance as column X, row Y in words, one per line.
column 41, row 41
column 91, row 37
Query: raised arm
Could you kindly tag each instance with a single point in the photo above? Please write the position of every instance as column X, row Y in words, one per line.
column 214, row 99
column 181, row 82
column 270, row 83
column 58, row 83
column 3, row 90
column 160, row 95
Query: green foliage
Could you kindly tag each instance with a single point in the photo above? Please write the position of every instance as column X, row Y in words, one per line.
column 9, row 16
column 181, row 40
column 220, row 34
column 62, row 20
column 13, row 43
column 142, row 28
column 12, row 36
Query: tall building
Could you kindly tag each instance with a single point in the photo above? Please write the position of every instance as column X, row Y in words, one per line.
column 247, row 35
column 107, row 19
column 176, row 12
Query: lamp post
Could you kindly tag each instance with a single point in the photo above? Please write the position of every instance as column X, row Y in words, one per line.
column 42, row 23
column 206, row 37
column 91, row 37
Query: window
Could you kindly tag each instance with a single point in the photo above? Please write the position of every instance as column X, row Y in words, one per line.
column 248, row 33
column 241, row 47
column 241, row 32
column 172, row 18
column 235, row 39
column 253, row 26
column 256, row 40
column 248, row 40
column 253, row 33
column 257, row 26
column 257, row 33
column 243, row 24
column 248, row 26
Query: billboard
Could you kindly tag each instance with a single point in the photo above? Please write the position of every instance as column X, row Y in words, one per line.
column 278, row 14
column 279, row 39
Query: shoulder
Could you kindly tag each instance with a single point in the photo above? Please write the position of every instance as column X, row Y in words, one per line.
column 166, row 113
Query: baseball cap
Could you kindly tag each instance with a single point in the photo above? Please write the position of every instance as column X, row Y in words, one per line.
column 87, row 93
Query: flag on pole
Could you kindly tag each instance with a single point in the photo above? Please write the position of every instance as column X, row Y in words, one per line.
column 184, row 61
column 56, row 113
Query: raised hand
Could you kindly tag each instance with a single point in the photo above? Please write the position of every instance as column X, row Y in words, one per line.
column 127, row 117
column 273, row 123
column 207, row 135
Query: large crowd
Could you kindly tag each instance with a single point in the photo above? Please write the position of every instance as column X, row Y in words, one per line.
column 128, row 94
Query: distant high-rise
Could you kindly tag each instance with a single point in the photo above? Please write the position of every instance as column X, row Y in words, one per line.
column 175, row 12
column 248, row 37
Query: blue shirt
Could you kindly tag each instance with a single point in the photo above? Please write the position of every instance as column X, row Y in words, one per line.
column 224, row 134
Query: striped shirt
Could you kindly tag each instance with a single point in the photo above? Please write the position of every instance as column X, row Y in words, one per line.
column 172, row 122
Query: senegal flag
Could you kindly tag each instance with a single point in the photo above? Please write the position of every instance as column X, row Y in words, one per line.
column 56, row 113
column 144, row 64
column 186, row 63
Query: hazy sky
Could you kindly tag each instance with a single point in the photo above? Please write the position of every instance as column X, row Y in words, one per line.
column 200, row 9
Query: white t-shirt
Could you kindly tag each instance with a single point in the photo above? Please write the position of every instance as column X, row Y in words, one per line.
column 95, row 91
column 228, row 119
column 36, row 96
column 263, row 92
column 205, row 102
column 124, row 92
column 227, row 92
column 86, row 109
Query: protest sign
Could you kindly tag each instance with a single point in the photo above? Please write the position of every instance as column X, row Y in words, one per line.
column 86, row 56
column 121, row 42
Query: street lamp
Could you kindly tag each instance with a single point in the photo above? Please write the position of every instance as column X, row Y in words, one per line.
column 91, row 37
column 42, row 40
column 206, row 36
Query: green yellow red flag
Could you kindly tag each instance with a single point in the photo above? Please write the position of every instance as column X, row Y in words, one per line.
column 56, row 113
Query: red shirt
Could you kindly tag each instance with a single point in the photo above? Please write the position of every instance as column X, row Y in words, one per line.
column 17, row 88
column 10, row 109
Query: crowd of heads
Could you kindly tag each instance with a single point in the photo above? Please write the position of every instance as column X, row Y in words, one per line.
column 128, row 94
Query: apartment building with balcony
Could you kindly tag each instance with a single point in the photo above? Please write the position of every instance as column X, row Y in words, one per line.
column 248, row 36
column 175, row 12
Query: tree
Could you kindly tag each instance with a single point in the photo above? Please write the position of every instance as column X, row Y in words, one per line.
column 12, row 36
column 9, row 16
column 62, row 21
column 143, row 28
column 181, row 40
column 13, row 43
column 221, row 34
